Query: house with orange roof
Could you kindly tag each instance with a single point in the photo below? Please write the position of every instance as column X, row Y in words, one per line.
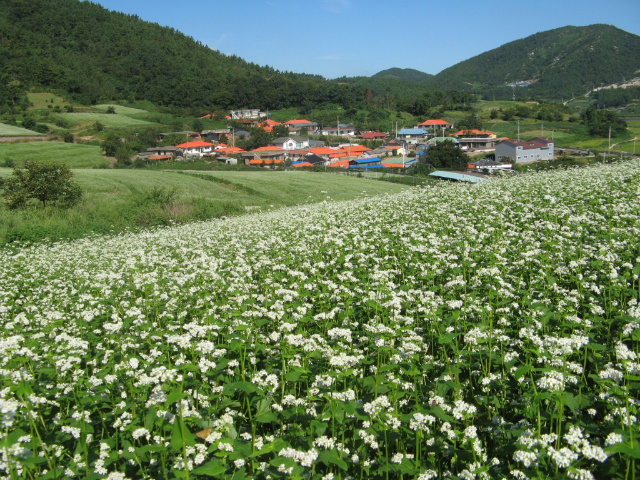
column 264, row 156
column 340, row 163
column 268, row 125
column 229, row 150
column 473, row 132
column 434, row 124
column 196, row 149
column 323, row 150
column 373, row 136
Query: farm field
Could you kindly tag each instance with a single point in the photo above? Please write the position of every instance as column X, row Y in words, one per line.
column 76, row 155
column 13, row 131
column 450, row 331
column 116, row 200
column 115, row 120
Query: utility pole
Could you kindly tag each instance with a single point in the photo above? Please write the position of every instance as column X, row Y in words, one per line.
column 518, row 130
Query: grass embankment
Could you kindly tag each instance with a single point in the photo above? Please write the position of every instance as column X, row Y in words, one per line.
column 117, row 200
column 76, row 155
column 13, row 131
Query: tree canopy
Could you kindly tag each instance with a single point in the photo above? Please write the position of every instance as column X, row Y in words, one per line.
column 50, row 183
column 445, row 155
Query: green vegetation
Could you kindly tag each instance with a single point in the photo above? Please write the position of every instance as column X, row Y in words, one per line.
column 601, row 123
column 117, row 200
column 447, row 332
column 444, row 155
column 75, row 155
column 14, row 131
column 560, row 63
column 116, row 120
column 49, row 183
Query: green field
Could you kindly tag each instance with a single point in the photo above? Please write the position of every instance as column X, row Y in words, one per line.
column 108, row 120
column 13, row 131
column 44, row 99
column 115, row 200
column 76, row 155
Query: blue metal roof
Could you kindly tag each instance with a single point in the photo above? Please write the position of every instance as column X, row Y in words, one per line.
column 459, row 176
column 364, row 161
column 412, row 131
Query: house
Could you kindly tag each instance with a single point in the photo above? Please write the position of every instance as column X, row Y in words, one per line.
column 195, row 149
column 477, row 143
column 314, row 159
column 540, row 148
column 214, row 135
column 241, row 134
column 268, row 125
column 486, row 164
column 366, row 163
column 373, row 136
column 473, row 133
column 291, row 143
column 264, row 156
column 247, row 113
column 433, row 125
column 168, row 151
column 295, row 126
column 341, row 130
column 411, row 136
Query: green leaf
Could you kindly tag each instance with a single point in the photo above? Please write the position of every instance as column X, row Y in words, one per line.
column 175, row 396
column 625, row 449
column 294, row 374
column 210, row 469
column 521, row 371
column 330, row 457
column 448, row 338
column 242, row 386
column 268, row 417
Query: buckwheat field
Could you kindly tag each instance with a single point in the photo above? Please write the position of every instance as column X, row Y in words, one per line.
column 451, row 332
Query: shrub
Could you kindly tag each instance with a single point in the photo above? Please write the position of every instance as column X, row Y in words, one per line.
column 51, row 183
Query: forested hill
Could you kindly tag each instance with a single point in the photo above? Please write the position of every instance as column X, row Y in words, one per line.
column 560, row 63
column 92, row 54
column 406, row 74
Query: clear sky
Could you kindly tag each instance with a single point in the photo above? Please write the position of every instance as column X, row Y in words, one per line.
column 333, row 38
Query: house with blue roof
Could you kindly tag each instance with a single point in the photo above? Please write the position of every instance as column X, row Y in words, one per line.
column 373, row 162
column 412, row 136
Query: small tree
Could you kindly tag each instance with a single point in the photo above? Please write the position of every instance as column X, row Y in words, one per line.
column 447, row 155
column 51, row 183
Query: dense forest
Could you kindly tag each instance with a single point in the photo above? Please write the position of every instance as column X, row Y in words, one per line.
column 89, row 54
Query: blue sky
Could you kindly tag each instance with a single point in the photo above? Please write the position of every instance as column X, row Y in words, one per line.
column 333, row 38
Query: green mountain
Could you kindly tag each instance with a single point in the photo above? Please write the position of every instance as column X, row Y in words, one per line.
column 406, row 74
column 84, row 51
column 558, row 63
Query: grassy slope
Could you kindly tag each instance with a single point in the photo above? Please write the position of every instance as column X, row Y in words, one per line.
column 73, row 154
column 13, row 131
column 115, row 200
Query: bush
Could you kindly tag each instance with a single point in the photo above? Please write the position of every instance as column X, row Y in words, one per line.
column 51, row 183
column 68, row 137
column 41, row 128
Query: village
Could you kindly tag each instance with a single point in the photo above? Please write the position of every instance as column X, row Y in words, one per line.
column 398, row 150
